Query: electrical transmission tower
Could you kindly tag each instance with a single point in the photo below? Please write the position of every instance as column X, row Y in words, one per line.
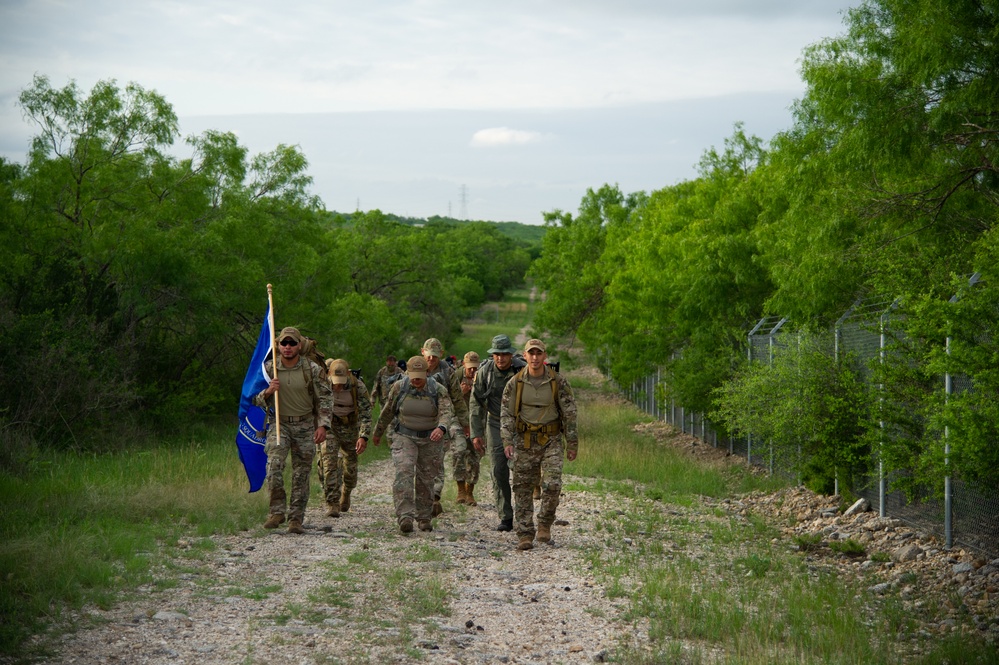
column 464, row 202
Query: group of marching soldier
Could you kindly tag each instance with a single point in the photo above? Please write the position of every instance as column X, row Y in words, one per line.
column 515, row 407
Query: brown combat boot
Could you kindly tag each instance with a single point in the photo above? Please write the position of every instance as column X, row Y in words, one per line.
column 544, row 533
column 526, row 543
column 406, row 525
column 295, row 526
column 469, row 497
column 426, row 525
column 438, row 508
column 344, row 500
column 461, row 492
column 274, row 521
column 537, row 492
column 332, row 510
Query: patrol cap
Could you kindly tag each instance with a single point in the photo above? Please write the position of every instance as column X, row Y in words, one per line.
column 339, row 371
column 534, row 344
column 290, row 332
column 416, row 367
column 471, row 359
column 433, row 347
column 501, row 344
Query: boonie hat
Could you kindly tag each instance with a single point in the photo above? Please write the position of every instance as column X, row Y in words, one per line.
column 471, row 359
column 339, row 371
column 290, row 332
column 501, row 344
column 534, row 344
column 416, row 367
column 434, row 347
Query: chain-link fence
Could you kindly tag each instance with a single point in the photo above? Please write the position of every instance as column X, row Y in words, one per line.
column 967, row 516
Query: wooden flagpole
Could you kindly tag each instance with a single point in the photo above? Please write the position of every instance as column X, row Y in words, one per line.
column 274, row 363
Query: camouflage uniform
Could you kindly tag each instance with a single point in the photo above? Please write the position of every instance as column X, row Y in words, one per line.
column 484, row 422
column 538, row 451
column 417, row 458
column 466, row 457
column 338, row 459
column 381, row 385
column 297, row 430
column 444, row 376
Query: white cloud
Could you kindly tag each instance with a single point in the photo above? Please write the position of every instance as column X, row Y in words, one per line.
column 501, row 136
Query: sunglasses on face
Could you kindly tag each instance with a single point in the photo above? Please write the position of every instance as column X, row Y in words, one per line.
column 288, row 342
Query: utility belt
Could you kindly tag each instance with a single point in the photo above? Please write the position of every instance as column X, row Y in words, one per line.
column 297, row 419
column 415, row 433
column 349, row 419
column 537, row 434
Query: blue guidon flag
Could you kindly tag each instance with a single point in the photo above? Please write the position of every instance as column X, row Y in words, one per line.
column 252, row 433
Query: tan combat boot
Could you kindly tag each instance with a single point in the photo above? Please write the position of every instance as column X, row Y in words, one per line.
column 344, row 500
column 406, row 525
column 537, row 492
column 426, row 525
column 544, row 533
column 274, row 521
column 332, row 510
column 295, row 526
column 526, row 543
column 469, row 497
column 461, row 492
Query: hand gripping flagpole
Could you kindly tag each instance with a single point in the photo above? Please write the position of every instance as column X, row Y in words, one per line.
column 274, row 362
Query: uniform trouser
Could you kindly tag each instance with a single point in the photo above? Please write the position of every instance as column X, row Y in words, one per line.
column 439, row 477
column 501, row 470
column 529, row 467
column 338, row 461
column 416, row 462
column 466, row 462
column 296, row 438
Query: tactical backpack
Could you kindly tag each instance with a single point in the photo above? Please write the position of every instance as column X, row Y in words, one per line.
column 405, row 390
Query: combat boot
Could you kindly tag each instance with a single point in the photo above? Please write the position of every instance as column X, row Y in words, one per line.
column 461, row 492
column 537, row 492
column 295, row 526
column 274, row 521
column 406, row 525
column 438, row 508
column 344, row 500
column 469, row 497
column 505, row 525
column 425, row 525
column 332, row 510
column 526, row 543
column 544, row 533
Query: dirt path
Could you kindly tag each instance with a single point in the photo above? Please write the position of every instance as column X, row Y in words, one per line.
column 355, row 590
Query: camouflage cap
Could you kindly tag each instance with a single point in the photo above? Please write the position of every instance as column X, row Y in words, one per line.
column 433, row 347
column 416, row 367
column 501, row 344
column 339, row 371
column 290, row 332
column 534, row 344
column 471, row 359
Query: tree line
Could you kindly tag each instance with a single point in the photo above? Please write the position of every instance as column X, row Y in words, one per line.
column 885, row 187
column 132, row 282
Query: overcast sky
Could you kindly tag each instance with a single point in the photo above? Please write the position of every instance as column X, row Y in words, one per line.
column 497, row 111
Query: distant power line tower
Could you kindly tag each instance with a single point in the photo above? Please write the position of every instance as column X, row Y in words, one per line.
column 464, row 202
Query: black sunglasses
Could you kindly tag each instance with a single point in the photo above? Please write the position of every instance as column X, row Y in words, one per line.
column 288, row 342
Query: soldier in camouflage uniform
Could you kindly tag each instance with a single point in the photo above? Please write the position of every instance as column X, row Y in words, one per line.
column 351, row 429
column 442, row 373
column 419, row 411
column 538, row 421
column 484, row 420
column 466, row 457
column 305, row 406
column 383, row 379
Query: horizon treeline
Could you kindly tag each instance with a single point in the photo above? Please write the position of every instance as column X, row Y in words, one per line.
column 884, row 189
column 133, row 283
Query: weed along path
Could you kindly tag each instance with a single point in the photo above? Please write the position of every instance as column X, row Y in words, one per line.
column 355, row 590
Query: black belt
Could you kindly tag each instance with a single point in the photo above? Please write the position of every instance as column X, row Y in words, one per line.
column 296, row 419
column 417, row 433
